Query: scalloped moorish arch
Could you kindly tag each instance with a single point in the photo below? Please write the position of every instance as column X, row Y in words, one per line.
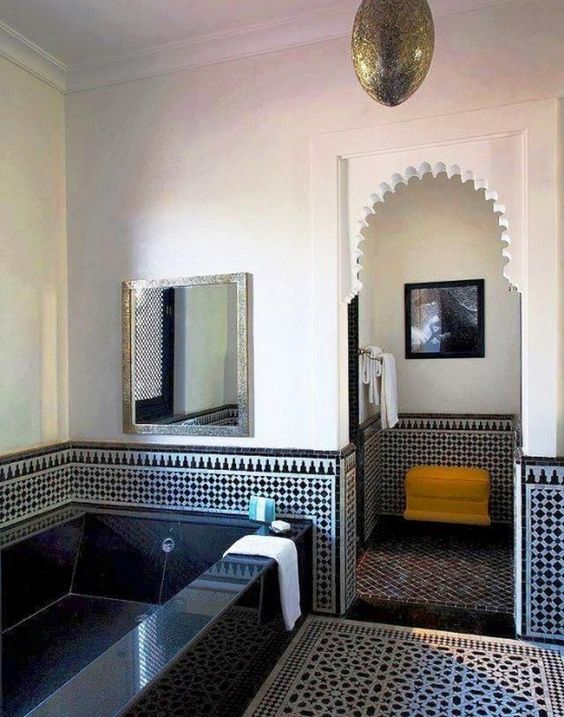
column 409, row 173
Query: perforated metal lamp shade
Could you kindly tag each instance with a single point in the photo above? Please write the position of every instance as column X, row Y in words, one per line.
column 392, row 48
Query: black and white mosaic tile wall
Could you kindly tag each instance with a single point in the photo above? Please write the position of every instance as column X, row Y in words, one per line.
column 35, row 481
column 542, row 547
column 370, row 482
column 227, row 415
column 487, row 442
column 149, row 344
column 318, row 485
column 347, row 527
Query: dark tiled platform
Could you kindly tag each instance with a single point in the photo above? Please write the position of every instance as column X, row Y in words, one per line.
column 439, row 576
column 435, row 617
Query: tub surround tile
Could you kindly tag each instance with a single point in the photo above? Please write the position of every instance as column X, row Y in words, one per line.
column 36, row 460
column 302, row 488
column 306, row 484
column 35, row 492
column 25, row 528
column 220, row 675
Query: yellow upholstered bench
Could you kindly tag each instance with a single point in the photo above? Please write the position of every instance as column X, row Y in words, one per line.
column 445, row 494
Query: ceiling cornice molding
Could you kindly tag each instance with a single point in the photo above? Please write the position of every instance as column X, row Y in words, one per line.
column 251, row 41
column 26, row 54
column 212, row 49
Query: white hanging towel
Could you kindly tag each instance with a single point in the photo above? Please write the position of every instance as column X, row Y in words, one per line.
column 389, row 410
column 370, row 372
column 285, row 553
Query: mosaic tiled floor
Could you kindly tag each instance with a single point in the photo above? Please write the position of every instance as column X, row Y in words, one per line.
column 455, row 566
column 353, row 669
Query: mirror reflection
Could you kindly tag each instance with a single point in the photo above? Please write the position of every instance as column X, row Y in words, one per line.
column 186, row 355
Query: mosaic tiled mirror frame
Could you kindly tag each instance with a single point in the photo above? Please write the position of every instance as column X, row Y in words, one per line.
column 244, row 425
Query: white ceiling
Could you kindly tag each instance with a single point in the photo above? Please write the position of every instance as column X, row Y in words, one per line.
column 86, row 31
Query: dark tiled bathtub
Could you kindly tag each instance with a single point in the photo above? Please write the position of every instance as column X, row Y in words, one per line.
column 98, row 606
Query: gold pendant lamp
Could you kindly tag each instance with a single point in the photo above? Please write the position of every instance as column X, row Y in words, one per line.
column 392, row 47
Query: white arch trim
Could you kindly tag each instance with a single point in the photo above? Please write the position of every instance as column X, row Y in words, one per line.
column 409, row 173
column 516, row 148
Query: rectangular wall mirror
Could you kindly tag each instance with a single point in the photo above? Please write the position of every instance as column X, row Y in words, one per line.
column 186, row 356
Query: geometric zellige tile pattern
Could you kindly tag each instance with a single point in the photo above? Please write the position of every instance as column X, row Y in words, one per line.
column 41, row 522
column 459, row 421
column 336, row 667
column 492, row 450
column 24, row 497
column 544, row 552
column 348, row 535
column 149, row 325
column 308, row 496
column 212, row 679
column 372, row 478
column 304, row 485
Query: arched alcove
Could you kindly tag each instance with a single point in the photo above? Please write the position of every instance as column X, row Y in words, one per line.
column 515, row 148
column 441, row 226
column 411, row 173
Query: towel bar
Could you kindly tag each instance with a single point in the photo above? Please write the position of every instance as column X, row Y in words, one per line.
column 366, row 352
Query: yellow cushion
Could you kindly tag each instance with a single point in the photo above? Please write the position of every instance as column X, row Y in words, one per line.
column 456, row 472
column 448, row 494
column 439, row 505
column 448, row 482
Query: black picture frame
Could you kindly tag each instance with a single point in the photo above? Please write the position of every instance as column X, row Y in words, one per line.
column 457, row 326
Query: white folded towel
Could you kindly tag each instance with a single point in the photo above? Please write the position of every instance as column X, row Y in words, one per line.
column 370, row 372
column 285, row 553
column 389, row 411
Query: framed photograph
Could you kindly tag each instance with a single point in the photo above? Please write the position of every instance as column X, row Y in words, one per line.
column 445, row 319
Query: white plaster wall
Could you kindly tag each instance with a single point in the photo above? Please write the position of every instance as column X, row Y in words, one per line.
column 438, row 229
column 33, row 357
column 205, row 348
column 560, row 442
column 208, row 171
